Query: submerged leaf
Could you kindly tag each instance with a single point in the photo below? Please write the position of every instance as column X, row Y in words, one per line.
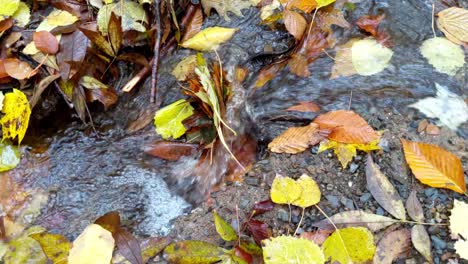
column 170, row 150
column 445, row 56
column 209, row 38
column 225, row 230
column 350, row 245
column 370, row 57
column 392, row 245
column 168, row 120
column 452, row 21
column 225, row 6
column 193, row 251
column 17, row 112
column 287, row 249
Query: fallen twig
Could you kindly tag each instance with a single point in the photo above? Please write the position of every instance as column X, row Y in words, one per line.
column 157, row 44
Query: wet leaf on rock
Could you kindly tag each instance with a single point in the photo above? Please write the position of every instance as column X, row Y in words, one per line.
column 128, row 246
column 445, row 56
column 356, row 218
column 209, row 38
column 150, row 247
column 414, row 207
column 346, row 152
column 225, row 230
column 296, row 139
column 370, row 57
column 222, row 7
column 193, row 251
column 55, row 246
column 94, row 245
column 185, row 67
column 421, row 241
column 17, row 112
column 295, row 23
column 262, row 207
column 169, row 150
column 9, row 156
column 305, row 107
column 168, row 120
column 370, row 23
column 287, row 249
column 383, row 191
column 452, row 21
column 434, row 166
column 343, row 66
column 18, row 69
column 350, row 245
column 392, row 246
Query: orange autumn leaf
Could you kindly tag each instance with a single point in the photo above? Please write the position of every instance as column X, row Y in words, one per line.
column 347, row 127
column 46, row 42
column 18, row 69
column 304, row 107
column 434, row 166
column 304, row 5
column 295, row 23
column 296, row 139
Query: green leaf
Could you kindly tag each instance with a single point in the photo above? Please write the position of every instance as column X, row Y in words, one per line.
column 225, row 230
column 288, row 249
column 9, row 156
column 8, row 7
column 55, row 246
column 350, row 245
column 193, row 252
column 17, row 112
column 168, row 120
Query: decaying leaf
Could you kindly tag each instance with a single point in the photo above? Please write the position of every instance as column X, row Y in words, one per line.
column 318, row 237
column 356, row 218
column 434, row 166
column 458, row 227
column 194, row 25
column 445, row 56
column 383, row 191
column 22, row 15
column 262, row 207
column 25, row 249
column 55, row 246
column 170, row 150
column 392, row 245
column 133, row 16
column 452, row 21
column 370, row 57
column 17, row 112
column 209, row 38
column 287, row 249
column 18, row 69
column 55, row 19
column 168, row 120
column 350, row 245
column 258, row 229
column 346, row 152
column 225, row 6
column 94, row 245
column 225, row 230
column 296, row 139
column 450, row 108
column 46, row 42
column 421, row 241
column 414, row 207
column 9, row 156
column 192, row 251
column 185, row 67
column 343, row 66
column 295, row 23
column 303, row 193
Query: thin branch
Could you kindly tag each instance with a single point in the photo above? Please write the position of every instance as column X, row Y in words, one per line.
column 432, row 20
column 157, row 47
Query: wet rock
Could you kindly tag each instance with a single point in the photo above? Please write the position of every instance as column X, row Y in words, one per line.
column 333, row 200
column 244, row 203
column 438, row 243
column 380, row 211
column 365, row 197
column 253, row 181
column 433, row 230
column 429, row 192
column 314, row 150
column 348, row 203
column 282, row 215
column 410, row 261
column 353, row 167
column 384, row 144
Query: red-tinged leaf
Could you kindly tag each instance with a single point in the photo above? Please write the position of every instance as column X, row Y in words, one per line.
column 318, row 237
column 99, row 40
column 170, row 150
column 434, row 166
column 262, row 207
column 414, row 207
column 18, row 69
column 305, row 107
column 3, row 72
column 128, row 246
column 193, row 251
column 150, row 247
column 268, row 73
column 298, row 65
column 72, row 49
column 108, row 97
column 295, row 23
column 39, row 89
column 239, row 252
column 109, row 221
column 194, row 24
column 392, row 246
column 305, row 6
column 246, row 153
column 46, row 42
column 115, row 32
column 313, row 44
column 370, row 23
column 2, row 229
column 258, row 229
column 347, row 127
column 133, row 57
column 6, row 24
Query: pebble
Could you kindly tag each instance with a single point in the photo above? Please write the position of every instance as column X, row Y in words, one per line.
column 253, row 181
column 333, row 200
column 438, row 243
column 282, row 215
column 384, row 144
column 428, row 192
column 380, row 211
column 348, row 203
column 410, row 261
column 314, row 150
column 353, row 167
column 433, row 230
column 365, row 197
column 329, row 187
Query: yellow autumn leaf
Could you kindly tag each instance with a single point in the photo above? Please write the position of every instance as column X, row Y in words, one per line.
column 185, row 67
column 288, row 249
column 55, row 246
column 459, row 228
column 55, row 19
column 22, row 15
column 285, row 190
column 346, row 152
column 17, row 112
column 444, row 55
column 209, row 38
column 370, row 57
column 225, row 230
column 322, row 3
column 94, row 246
column 310, row 194
column 350, row 245
column 8, row 7
column 168, row 120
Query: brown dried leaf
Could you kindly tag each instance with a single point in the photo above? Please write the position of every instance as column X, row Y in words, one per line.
column 383, row 191
column 370, row 23
column 356, row 218
column 414, row 207
column 434, row 166
column 268, row 73
column 110, row 221
column 115, row 32
column 108, row 97
column 39, row 89
column 343, row 66
column 296, row 139
column 347, row 127
column 305, row 107
column 298, row 65
column 46, row 42
column 128, row 246
column 432, row 130
column 72, row 49
column 3, row 72
column 421, row 241
column 295, row 23
column 392, row 245
column 453, row 22
column 170, row 150
column 100, row 41
column 6, row 24
column 18, row 69
column 194, row 25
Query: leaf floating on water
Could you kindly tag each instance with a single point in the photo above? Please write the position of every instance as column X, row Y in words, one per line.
column 17, row 112
column 296, row 139
column 350, row 245
column 452, row 21
column 94, row 245
column 287, row 249
column 9, row 156
column 421, row 241
column 356, row 218
column 370, row 57
column 343, row 66
column 392, row 246
column 295, row 23
column 209, row 38
column 445, row 56
column 225, row 230
column 55, row 246
column 414, row 207
column 434, row 166
column 169, row 150
column 305, row 107
column 346, row 152
column 448, row 107
column 383, row 191
column 168, row 120
column 193, row 251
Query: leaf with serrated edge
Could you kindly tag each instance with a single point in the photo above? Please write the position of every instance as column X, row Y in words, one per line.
column 356, row 218
column 350, row 245
column 421, row 241
column 392, row 245
column 383, row 191
column 225, row 230
column 296, row 139
column 434, row 166
column 414, row 207
column 452, row 21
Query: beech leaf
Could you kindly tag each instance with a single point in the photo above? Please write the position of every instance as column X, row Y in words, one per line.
column 288, row 249
column 350, row 245
column 434, row 166
column 225, row 230
column 209, row 38
column 46, row 42
column 168, row 120
column 421, row 241
column 445, row 56
column 452, row 21
column 305, row 107
column 17, row 112
column 392, row 245
column 296, row 139
column 295, row 23
column 356, row 218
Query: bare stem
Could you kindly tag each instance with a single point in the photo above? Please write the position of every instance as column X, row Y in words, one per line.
column 300, row 221
column 157, row 44
column 432, row 20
